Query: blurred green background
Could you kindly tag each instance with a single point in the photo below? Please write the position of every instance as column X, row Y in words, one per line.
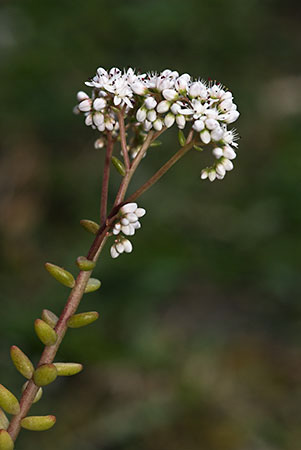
column 198, row 344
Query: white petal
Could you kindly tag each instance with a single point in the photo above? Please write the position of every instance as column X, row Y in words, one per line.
column 125, row 221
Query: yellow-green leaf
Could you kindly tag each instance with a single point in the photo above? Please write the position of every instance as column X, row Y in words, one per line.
column 6, row 442
column 45, row 374
column 82, row 319
column 85, row 263
column 92, row 285
column 68, row 369
column 90, row 226
column 21, row 362
column 8, row 401
column 45, row 333
column 50, row 318
column 38, row 423
column 63, row 276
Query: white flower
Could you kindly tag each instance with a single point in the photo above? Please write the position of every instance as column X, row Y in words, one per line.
column 182, row 83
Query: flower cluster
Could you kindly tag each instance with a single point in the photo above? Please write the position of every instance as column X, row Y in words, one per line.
column 126, row 224
column 157, row 101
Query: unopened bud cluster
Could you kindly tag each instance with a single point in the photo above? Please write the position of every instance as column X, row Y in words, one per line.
column 126, row 224
column 157, row 101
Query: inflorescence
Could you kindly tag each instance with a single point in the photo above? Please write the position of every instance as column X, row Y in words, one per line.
column 157, row 101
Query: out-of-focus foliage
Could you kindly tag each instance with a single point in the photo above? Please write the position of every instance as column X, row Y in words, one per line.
column 198, row 342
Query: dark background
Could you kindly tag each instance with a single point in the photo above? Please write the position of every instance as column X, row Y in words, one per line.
column 198, row 342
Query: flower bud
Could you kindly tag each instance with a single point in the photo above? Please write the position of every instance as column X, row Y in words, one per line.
column 21, row 362
column 45, row 332
column 6, row 442
column 217, row 152
column 128, row 208
column 8, row 401
column 50, row 318
column 158, row 125
column 181, row 121
column 151, row 115
column 45, row 374
column 141, row 114
column 119, row 166
column 38, row 394
column 170, row 94
column 82, row 319
column 99, row 104
column 90, row 226
column 150, row 103
column 198, row 125
column 205, row 136
column 98, row 119
column 163, row 106
column 92, row 285
column 211, row 124
column 4, row 422
column 169, row 120
column 81, row 95
column 229, row 152
column 38, row 423
column 85, row 263
column 85, row 105
column 182, row 138
column 68, row 369
column 217, row 133
column 60, row 274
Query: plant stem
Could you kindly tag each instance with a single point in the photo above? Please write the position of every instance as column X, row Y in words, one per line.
column 180, row 153
column 127, row 178
column 49, row 352
column 123, row 140
column 105, row 179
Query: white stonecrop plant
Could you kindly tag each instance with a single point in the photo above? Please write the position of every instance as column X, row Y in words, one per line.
column 130, row 111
